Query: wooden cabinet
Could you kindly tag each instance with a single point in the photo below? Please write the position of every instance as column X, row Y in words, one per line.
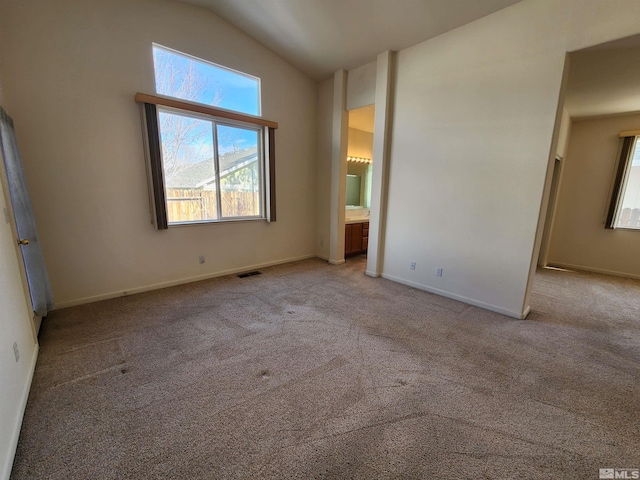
column 356, row 238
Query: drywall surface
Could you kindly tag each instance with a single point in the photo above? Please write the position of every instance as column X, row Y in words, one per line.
column 563, row 134
column 15, row 376
column 360, row 144
column 72, row 68
column 578, row 238
column 473, row 123
column 604, row 82
column 339, row 138
column 361, row 86
column 385, row 74
column 323, row 172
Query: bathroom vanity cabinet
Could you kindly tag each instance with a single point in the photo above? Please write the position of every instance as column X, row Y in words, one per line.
column 356, row 238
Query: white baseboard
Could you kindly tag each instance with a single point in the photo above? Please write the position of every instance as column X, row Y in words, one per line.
column 173, row 283
column 569, row 266
column 369, row 273
column 15, row 433
column 460, row 298
column 336, row 262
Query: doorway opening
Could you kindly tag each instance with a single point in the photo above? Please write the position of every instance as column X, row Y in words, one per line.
column 551, row 207
column 358, row 183
column 600, row 108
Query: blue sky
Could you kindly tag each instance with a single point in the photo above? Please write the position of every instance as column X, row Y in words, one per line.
column 234, row 91
column 230, row 137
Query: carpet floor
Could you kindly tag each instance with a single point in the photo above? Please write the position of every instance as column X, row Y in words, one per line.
column 318, row 371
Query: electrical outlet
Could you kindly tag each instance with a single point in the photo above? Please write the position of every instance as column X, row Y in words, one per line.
column 201, row 259
column 412, row 265
column 16, row 351
column 439, row 272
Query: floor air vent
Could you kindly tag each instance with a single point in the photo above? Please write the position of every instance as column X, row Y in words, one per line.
column 249, row 274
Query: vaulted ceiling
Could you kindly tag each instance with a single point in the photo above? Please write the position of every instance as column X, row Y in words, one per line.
column 603, row 80
column 323, row 36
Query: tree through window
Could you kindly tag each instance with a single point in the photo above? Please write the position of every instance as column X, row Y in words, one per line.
column 188, row 78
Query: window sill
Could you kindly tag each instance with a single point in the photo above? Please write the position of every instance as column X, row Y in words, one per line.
column 627, row 229
column 214, row 222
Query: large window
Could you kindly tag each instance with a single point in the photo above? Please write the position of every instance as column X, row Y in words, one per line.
column 624, row 211
column 207, row 164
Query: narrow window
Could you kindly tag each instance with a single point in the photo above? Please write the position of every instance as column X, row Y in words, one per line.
column 624, row 210
column 188, row 78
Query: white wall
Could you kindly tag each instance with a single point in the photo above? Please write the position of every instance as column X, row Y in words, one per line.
column 604, row 81
column 361, row 86
column 360, row 144
column 474, row 117
column 579, row 239
column 323, row 172
column 72, row 68
column 564, row 134
column 339, row 138
column 15, row 376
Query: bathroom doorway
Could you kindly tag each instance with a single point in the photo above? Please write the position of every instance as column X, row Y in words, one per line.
column 358, row 182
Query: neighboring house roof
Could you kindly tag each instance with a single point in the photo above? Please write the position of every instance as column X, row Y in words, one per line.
column 200, row 174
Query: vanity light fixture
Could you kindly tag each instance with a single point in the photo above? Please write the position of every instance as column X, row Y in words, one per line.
column 359, row 160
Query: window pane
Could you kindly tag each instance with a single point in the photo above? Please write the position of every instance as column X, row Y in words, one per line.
column 187, row 78
column 629, row 216
column 240, row 173
column 189, row 168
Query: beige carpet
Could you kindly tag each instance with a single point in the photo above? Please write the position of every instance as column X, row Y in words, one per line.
column 317, row 371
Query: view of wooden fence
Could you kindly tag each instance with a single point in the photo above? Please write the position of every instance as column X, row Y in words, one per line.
column 630, row 218
column 189, row 205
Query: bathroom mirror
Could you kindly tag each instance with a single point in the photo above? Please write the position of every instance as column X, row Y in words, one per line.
column 353, row 190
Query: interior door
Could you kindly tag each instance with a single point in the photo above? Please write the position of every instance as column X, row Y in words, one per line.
column 24, row 219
